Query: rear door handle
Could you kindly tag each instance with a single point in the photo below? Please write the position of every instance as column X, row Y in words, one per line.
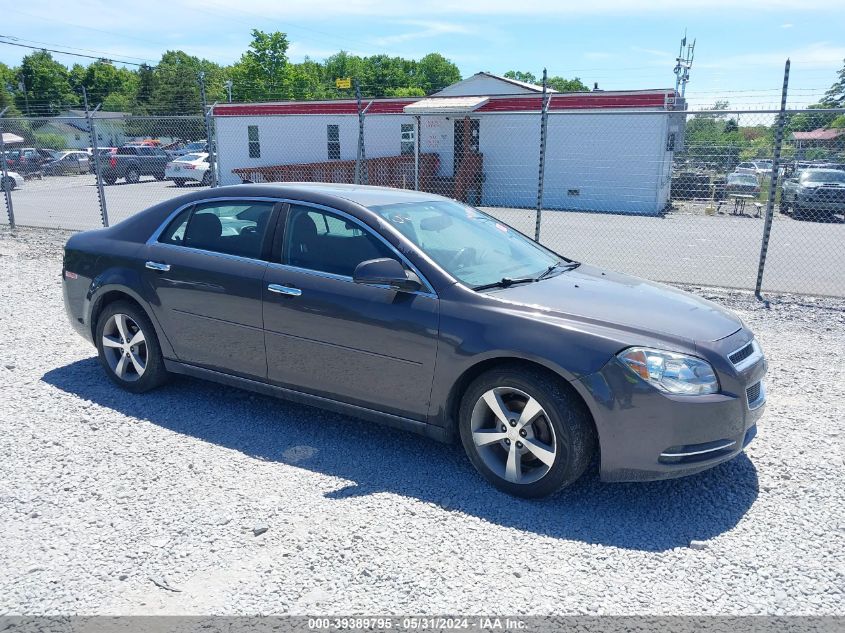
column 284, row 290
column 158, row 266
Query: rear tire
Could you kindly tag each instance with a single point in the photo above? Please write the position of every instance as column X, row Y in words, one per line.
column 128, row 348
column 159, row 176
column 179, row 182
column 527, row 456
column 110, row 180
column 132, row 175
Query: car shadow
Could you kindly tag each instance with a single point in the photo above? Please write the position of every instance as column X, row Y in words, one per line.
column 650, row 516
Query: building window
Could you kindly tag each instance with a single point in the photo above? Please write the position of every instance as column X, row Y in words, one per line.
column 254, row 144
column 670, row 142
column 408, row 138
column 333, row 136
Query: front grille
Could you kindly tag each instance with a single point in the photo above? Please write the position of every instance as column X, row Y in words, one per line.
column 754, row 393
column 831, row 194
column 741, row 354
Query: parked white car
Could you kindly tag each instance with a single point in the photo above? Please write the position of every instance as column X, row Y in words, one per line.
column 757, row 167
column 189, row 167
column 15, row 180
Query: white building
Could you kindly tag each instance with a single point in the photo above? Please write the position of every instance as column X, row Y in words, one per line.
column 72, row 126
column 479, row 138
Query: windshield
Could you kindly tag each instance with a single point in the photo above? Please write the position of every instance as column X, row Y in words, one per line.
column 823, row 175
column 742, row 179
column 192, row 147
column 470, row 245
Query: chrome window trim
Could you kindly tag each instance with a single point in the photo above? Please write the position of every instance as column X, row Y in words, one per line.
column 428, row 291
column 745, row 363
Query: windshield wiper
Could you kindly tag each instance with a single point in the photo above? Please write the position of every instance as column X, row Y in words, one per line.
column 564, row 265
column 505, row 282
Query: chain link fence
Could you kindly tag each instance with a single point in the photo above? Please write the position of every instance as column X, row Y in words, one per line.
column 674, row 196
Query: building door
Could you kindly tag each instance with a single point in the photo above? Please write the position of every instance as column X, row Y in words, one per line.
column 466, row 140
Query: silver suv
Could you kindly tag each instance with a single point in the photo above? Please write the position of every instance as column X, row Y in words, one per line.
column 818, row 193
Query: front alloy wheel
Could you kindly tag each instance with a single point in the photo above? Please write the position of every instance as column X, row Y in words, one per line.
column 513, row 435
column 526, row 431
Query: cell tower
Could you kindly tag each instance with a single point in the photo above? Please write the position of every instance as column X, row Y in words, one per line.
column 683, row 64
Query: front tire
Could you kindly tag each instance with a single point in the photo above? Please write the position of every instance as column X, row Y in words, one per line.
column 132, row 176
column 128, row 348
column 525, row 431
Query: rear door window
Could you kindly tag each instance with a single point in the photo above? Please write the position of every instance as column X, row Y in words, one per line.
column 230, row 227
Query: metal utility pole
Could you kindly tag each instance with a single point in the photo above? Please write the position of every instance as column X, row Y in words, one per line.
column 229, row 85
column 682, row 65
column 7, row 185
column 544, row 119
column 92, row 135
column 362, row 174
column 770, row 203
column 417, row 120
column 209, row 140
column 22, row 86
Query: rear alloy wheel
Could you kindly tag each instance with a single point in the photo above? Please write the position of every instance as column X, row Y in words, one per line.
column 128, row 348
column 526, row 432
column 206, row 179
column 132, row 175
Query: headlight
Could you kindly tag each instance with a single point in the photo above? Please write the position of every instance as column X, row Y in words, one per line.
column 670, row 372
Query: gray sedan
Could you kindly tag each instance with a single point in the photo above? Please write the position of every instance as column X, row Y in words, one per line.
column 424, row 313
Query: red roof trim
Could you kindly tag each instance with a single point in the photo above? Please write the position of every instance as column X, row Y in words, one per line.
column 580, row 101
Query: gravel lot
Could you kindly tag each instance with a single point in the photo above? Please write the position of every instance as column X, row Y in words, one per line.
column 104, row 494
column 682, row 247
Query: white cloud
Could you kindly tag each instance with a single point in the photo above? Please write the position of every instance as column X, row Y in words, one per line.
column 816, row 55
column 786, row 26
column 597, row 55
column 425, row 29
column 654, row 52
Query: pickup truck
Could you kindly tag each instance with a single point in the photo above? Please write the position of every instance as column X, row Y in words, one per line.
column 130, row 162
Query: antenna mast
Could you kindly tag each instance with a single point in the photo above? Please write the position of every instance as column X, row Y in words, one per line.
column 683, row 64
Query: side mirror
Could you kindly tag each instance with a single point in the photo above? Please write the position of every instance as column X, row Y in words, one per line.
column 386, row 272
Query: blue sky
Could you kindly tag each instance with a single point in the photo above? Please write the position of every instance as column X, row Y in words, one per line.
column 741, row 46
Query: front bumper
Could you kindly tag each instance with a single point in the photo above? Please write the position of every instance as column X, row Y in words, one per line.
column 820, row 203
column 645, row 434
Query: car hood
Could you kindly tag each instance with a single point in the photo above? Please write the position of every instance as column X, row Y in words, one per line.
column 816, row 184
column 617, row 300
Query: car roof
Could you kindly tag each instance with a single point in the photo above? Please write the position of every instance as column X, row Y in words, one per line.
column 364, row 195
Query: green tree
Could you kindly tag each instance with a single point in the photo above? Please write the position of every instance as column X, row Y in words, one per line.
column 835, row 96
column 561, row 84
column 7, row 88
column 47, row 85
column 259, row 75
column 567, row 85
column 434, row 72
column 518, row 75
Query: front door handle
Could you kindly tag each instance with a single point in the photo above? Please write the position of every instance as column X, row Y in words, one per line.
column 158, row 266
column 284, row 290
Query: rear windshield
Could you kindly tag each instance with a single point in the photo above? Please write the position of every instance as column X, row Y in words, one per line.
column 189, row 158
